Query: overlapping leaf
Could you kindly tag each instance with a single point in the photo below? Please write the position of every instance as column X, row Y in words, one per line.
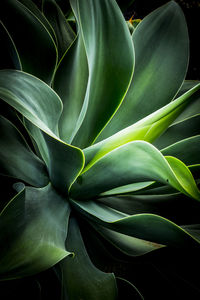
column 63, row 31
column 161, row 61
column 42, row 107
column 81, row 279
column 17, row 160
column 66, row 80
column 112, row 70
column 33, row 232
column 147, row 227
column 148, row 128
column 134, row 162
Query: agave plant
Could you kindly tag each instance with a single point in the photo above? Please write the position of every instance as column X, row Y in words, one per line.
column 99, row 135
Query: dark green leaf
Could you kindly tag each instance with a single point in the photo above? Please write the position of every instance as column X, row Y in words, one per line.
column 72, row 72
column 161, row 58
column 17, row 160
column 148, row 227
column 147, row 129
column 26, row 30
column 134, row 162
column 110, row 72
column 63, row 31
column 81, row 279
column 33, row 232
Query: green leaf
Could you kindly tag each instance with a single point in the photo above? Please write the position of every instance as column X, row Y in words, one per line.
column 110, row 72
column 34, row 99
column 67, row 78
column 148, row 128
column 10, row 57
column 65, row 163
column 161, row 57
column 33, row 232
column 63, row 31
column 25, row 29
column 36, row 11
column 178, row 131
column 148, row 227
column 127, row 244
column 37, row 102
column 134, row 162
column 180, row 150
column 17, row 160
column 81, row 279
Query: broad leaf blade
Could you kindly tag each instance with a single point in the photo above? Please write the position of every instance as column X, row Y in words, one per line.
column 37, row 102
column 134, row 162
column 147, row 227
column 161, row 57
column 180, row 150
column 67, row 78
column 33, row 232
column 17, row 160
column 147, row 129
column 34, row 99
column 110, row 72
column 81, row 279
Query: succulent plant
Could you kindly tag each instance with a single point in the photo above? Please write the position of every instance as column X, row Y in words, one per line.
column 99, row 134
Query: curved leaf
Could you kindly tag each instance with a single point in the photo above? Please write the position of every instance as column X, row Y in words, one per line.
column 161, row 60
column 148, row 227
column 110, row 72
column 25, row 29
column 179, row 131
column 17, row 160
column 42, row 106
column 134, row 162
column 187, row 150
column 147, row 129
column 34, row 99
column 36, row 11
column 63, row 31
column 81, row 279
column 127, row 244
column 33, row 232
column 67, row 78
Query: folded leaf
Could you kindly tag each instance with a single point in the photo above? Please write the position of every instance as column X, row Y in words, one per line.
column 20, row 22
column 147, row 227
column 16, row 158
column 147, row 129
column 180, row 150
column 42, row 107
column 181, row 130
column 67, row 78
column 34, row 99
column 33, row 232
column 110, row 72
column 134, row 162
column 81, row 279
column 161, row 58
